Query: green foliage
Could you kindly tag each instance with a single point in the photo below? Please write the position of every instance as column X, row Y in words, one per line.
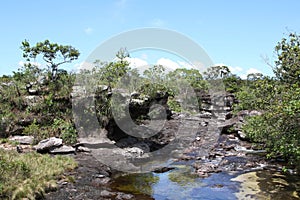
column 10, row 95
column 155, row 83
column 216, row 72
column 69, row 135
column 30, row 175
column 278, row 128
column 154, row 90
column 155, row 73
column 109, row 73
column 259, row 94
column 10, row 100
column 192, row 76
column 232, row 83
column 36, row 131
column 254, row 77
column 40, row 93
column 216, row 76
column 174, row 105
column 52, row 53
column 287, row 65
column 66, row 129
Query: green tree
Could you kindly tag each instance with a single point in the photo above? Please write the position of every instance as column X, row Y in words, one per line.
column 232, row 83
column 193, row 76
column 216, row 72
column 52, row 53
column 155, row 73
column 287, row 65
column 155, row 82
column 277, row 129
column 255, row 76
column 259, row 94
column 111, row 72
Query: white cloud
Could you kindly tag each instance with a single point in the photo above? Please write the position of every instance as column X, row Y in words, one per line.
column 169, row 64
column 144, row 56
column 250, row 71
column 137, row 62
column 235, row 70
column 186, row 65
column 88, row 31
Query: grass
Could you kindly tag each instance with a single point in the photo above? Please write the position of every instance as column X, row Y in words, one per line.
column 30, row 175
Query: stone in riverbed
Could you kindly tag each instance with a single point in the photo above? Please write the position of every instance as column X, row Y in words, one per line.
column 22, row 139
column 105, row 193
column 83, row 149
column 100, row 181
column 241, row 135
column 48, row 144
column 63, row 150
column 122, row 196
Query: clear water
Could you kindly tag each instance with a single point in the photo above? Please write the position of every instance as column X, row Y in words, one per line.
column 180, row 183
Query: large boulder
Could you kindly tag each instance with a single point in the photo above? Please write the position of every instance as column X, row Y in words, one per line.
column 48, row 144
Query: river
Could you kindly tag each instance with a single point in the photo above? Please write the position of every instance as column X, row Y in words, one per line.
column 180, row 183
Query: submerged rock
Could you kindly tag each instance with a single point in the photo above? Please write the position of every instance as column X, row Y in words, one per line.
column 163, row 169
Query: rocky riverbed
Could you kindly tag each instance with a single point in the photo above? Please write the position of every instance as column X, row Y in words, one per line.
column 207, row 143
column 210, row 152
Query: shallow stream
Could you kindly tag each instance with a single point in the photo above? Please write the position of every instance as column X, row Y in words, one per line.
column 180, row 183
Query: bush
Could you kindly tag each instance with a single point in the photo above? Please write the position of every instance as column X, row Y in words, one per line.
column 278, row 128
column 66, row 130
column 174, row 105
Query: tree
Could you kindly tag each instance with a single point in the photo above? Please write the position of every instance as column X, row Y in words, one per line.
column 192, row 76
column 155, row 81
column 287, row 66
column 232, row 83
column 277, row 129
column 254, row 77
column 216, row 76
column 52, row 53
column 216, row 72
column 110, row 73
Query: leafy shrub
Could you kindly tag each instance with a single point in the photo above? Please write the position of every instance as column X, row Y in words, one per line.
column 174, row 105
column 278, row 129
column 66, row 130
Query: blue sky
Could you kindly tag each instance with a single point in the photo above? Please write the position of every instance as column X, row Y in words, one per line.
column 236, row 33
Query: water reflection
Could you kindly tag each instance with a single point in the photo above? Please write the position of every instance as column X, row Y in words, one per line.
column 180, row 183
column 136, row 183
